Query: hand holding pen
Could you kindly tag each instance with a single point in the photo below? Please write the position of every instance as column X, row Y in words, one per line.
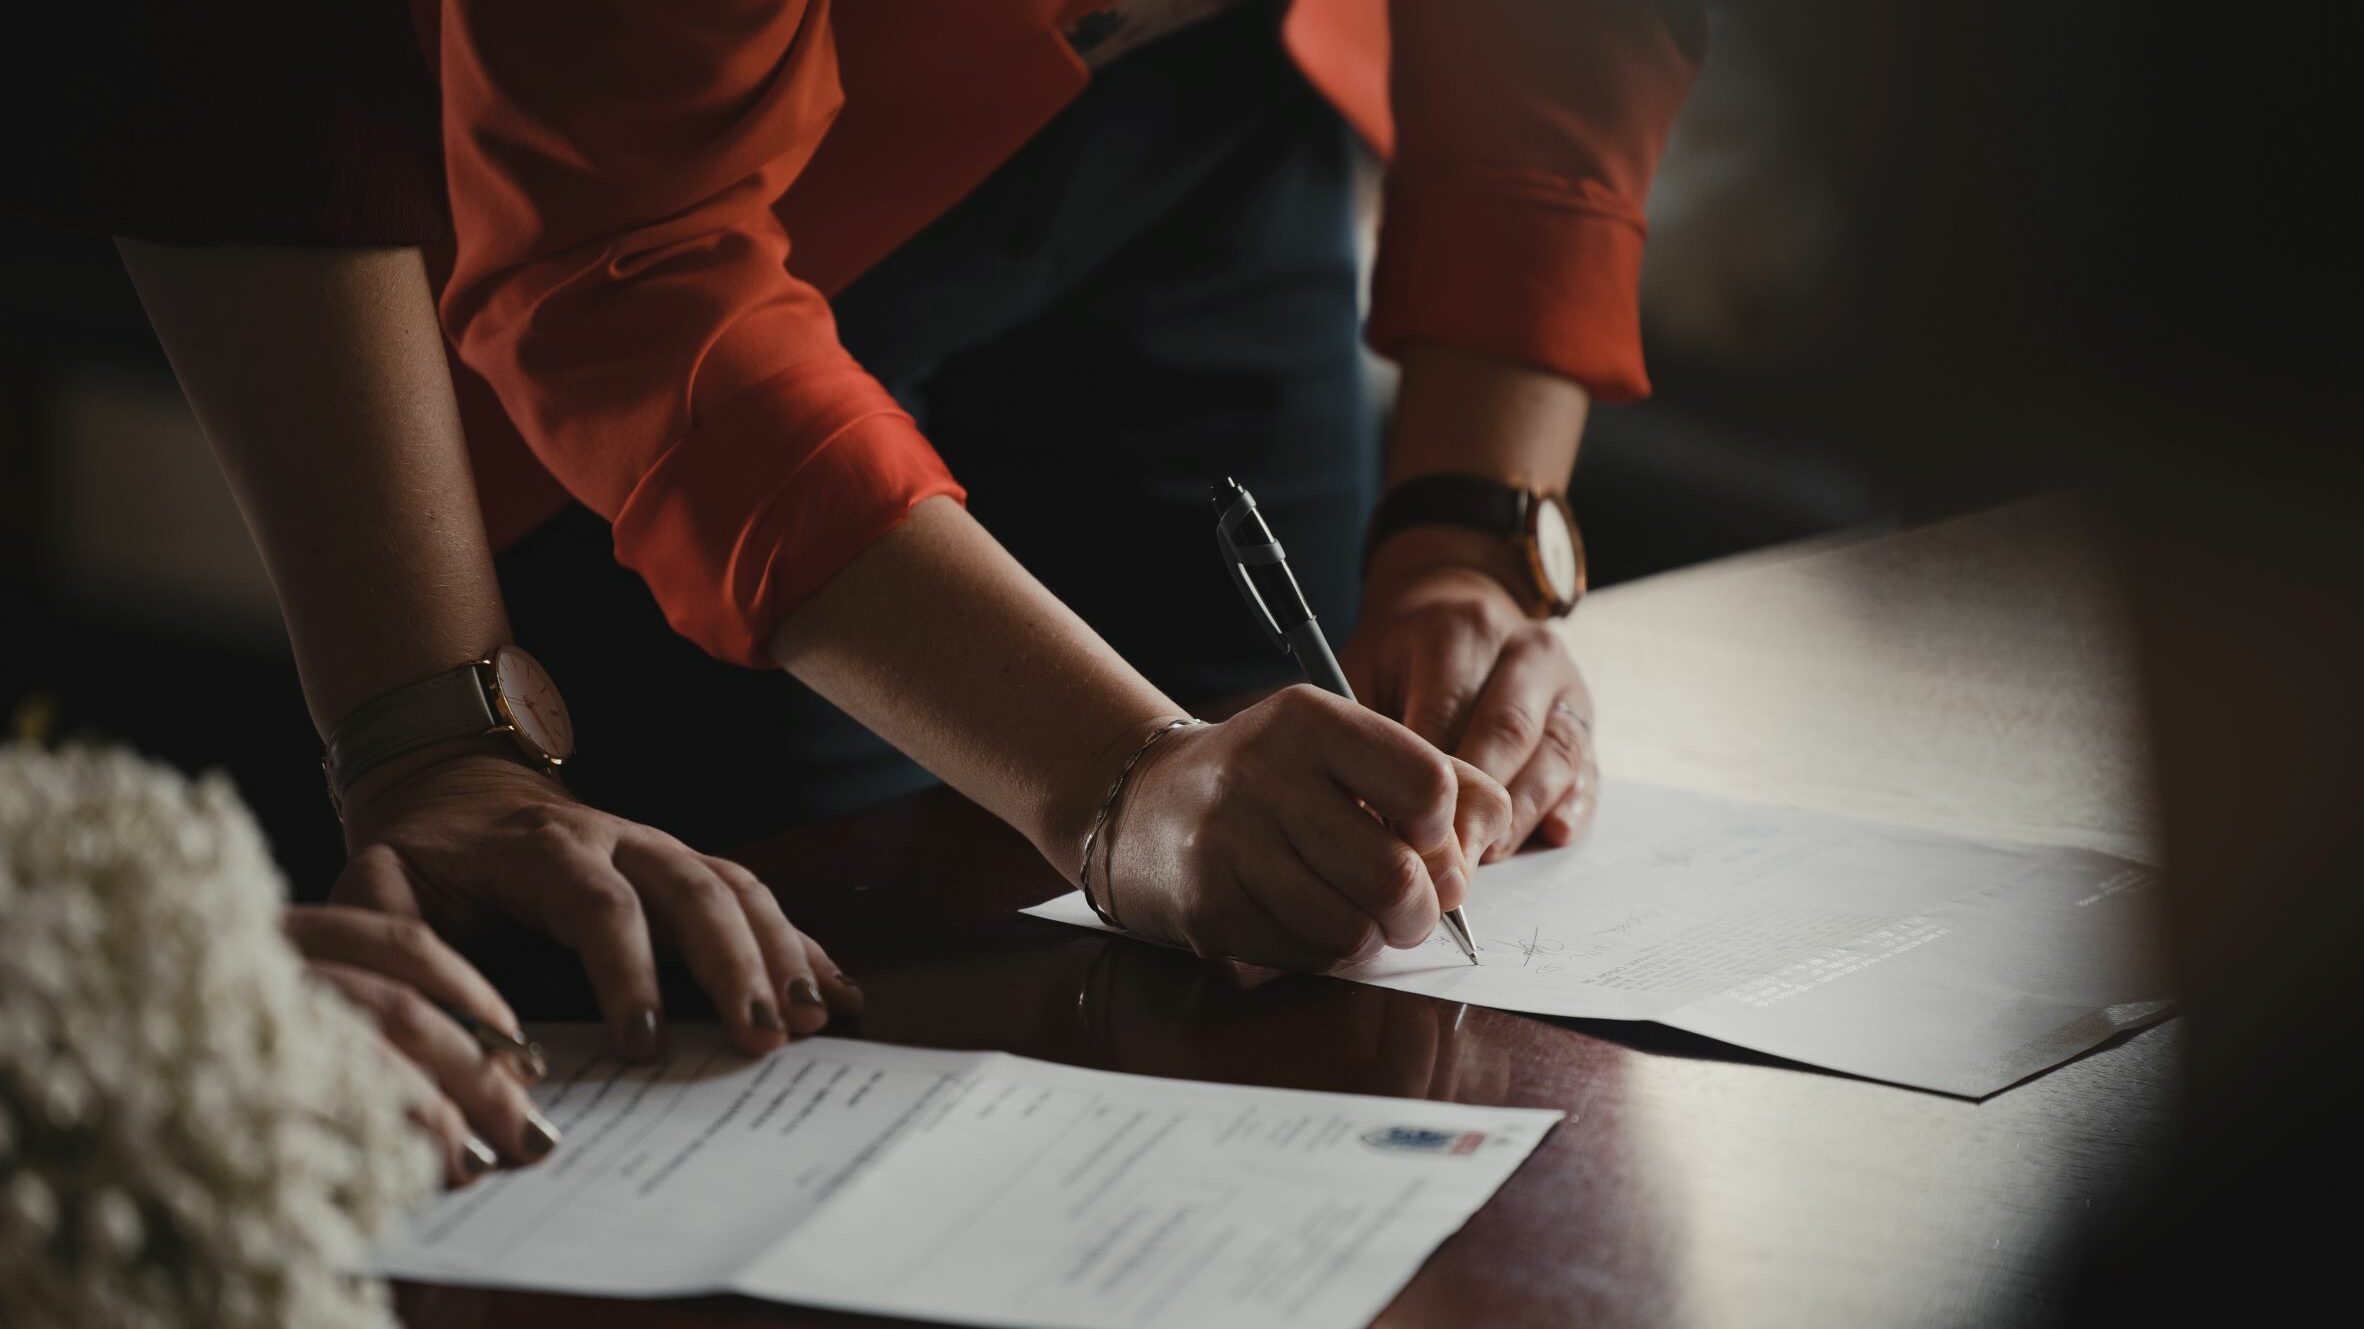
column 1259, row 567
column 1306, row 832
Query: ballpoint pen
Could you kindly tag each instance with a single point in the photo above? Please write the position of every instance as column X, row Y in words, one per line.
column 1261, row 571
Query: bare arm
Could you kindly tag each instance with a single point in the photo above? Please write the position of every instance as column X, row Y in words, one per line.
column 1253, row 838
column 319, row 377
column 1442, row 643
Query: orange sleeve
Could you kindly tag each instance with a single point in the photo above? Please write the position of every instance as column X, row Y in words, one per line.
column 620, row 280
column 1526, row 133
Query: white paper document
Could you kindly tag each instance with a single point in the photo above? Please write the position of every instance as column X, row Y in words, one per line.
column 974, row 1188
column 1914, row 956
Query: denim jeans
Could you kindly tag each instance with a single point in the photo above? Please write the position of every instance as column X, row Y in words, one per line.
column 1157, row 291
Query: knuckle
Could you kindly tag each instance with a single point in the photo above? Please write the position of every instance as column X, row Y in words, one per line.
column 704, row 889
column 1472, row 617
column 1494, row 806
column 1536, row 639
column 1510, row 724
column 1299, row 703
column 1434, row 780
column 740, row 881
column 607, row 901
column 1560, row 736
column 1403, row 881
column 1228, row 786
column 1525, row 808
column 547, row 831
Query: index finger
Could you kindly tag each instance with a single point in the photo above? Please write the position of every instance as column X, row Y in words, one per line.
column 401, row 948
column 1395, row 772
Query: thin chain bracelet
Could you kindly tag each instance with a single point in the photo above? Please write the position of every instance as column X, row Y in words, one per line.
column 1116, row 789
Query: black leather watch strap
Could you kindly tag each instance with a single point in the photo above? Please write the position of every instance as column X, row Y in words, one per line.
column 1450, row 500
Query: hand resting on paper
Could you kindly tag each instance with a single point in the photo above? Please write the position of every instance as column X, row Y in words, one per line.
column 1443, row 646
column 473, row 843
column 398, row 972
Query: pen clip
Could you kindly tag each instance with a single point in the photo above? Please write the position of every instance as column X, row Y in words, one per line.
column 1236, row 560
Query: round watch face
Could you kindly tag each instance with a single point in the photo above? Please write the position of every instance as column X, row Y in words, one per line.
column 1556, row 555
column 531, row 704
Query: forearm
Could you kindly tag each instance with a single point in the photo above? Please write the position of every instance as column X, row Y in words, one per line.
column 319, row 378
column 1462, row 411
column 942, row 644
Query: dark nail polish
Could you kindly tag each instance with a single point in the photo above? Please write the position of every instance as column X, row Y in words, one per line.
column 540, row 1136
column 477, row 1157
column 641, row 1034
column 804, row 992
column 762, row 1016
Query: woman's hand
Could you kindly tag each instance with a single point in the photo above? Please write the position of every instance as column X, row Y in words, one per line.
column 1441, row 644
column 472, row 842
column 405, row 979
column 1304, row 833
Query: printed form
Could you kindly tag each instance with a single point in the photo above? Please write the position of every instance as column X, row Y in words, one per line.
column 974, row 1188
column 1914, row 956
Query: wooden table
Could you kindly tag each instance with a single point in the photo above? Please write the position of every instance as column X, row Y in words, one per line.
column 1970, row 674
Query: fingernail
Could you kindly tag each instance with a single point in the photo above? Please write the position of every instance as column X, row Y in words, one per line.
column 641, row 1034
column 477, row 1157
column 840, row 976
column 540, row 1136
column 804, row 992
column 761, row 1014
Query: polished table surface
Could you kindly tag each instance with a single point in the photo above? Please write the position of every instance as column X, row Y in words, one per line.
column 1972, row 674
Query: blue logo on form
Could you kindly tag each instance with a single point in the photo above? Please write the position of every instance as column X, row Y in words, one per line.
column 1422, row 1140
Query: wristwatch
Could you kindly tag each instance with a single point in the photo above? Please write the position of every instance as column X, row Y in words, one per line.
column 506, row 693
column 1535, row 522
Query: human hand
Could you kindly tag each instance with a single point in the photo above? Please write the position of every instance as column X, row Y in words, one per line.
column 398, row 972
column 1442, row 645
column 472, row 842
column 1262, row 839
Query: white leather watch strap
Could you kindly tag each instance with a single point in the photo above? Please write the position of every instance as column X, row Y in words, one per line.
column 453, row 704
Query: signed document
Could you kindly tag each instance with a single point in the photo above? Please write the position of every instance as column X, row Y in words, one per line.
column 1914, row 956
column 973, row 1188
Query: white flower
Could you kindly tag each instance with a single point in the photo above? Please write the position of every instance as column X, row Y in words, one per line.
column 190, row 1131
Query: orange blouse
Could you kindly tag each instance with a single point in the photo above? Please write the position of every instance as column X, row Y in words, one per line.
column 637, row 330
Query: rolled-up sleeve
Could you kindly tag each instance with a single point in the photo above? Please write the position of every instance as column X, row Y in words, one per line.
column 1526, row 134
column 620, row 280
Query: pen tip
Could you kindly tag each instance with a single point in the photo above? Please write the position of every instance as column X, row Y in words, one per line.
column 1228, row 491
